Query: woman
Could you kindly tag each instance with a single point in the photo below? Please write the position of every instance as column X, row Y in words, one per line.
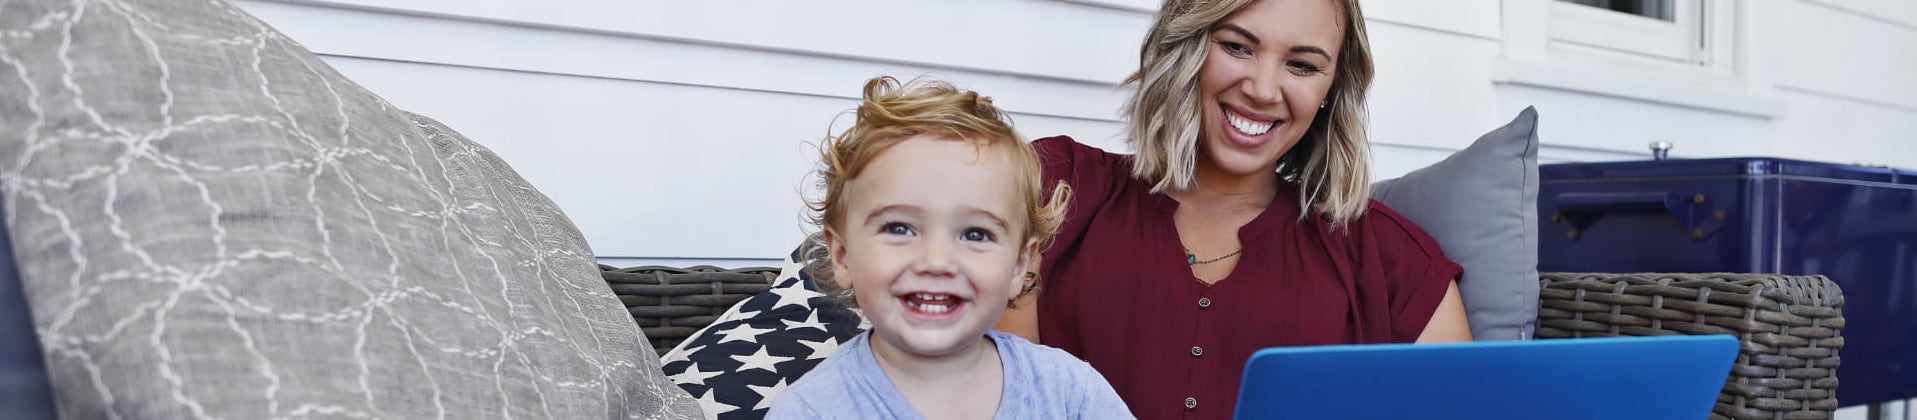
column 1242, row 222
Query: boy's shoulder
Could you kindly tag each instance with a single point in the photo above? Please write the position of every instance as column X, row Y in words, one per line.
column 837, row 371
column 1046, row 364
column 1046, row 382
column 833, row 388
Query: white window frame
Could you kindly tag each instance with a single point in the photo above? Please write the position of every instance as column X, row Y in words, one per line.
column 1681, row 40
column 1696, row 60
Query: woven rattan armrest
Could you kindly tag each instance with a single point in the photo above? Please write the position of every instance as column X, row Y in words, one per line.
column 1789, row 326
column 670, row 304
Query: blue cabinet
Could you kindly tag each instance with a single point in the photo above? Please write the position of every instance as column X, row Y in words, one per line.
column 1857, row 225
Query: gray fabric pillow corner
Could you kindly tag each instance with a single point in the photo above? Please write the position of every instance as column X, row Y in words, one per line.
column 1480, row 204
column 210, row 222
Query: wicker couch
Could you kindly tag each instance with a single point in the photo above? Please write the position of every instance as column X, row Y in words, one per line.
column 1789, row 326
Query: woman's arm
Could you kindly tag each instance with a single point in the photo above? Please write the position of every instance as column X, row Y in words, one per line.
column 1447, row 325
column 1022, row 320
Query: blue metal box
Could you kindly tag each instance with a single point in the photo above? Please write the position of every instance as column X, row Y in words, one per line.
column 1857, row 225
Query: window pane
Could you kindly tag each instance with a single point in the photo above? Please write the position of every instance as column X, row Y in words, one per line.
column 1655, row 9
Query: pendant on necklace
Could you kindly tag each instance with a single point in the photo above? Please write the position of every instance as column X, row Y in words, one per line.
column 1191, row 259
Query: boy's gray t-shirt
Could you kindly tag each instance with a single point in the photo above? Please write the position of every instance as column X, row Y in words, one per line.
column 1040, row 383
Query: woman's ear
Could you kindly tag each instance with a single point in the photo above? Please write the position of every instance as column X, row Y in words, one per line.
column 835, row 250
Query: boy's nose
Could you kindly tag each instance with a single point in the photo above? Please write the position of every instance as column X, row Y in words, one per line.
column 936, row 259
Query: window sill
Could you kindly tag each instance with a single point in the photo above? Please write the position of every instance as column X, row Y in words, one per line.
column 1583, row 79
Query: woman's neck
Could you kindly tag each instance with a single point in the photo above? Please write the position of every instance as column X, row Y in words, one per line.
column 1216, row 192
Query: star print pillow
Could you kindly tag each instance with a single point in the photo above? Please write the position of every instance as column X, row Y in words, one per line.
column 752, row 352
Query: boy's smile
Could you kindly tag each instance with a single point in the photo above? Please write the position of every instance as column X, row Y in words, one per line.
column 932, row 244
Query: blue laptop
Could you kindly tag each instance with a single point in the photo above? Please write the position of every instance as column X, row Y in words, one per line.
column 1669, row 377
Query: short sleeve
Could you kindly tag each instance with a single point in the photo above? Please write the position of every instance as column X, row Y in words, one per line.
column 1093, row 175
column 1416, row 272
column 1100, row 400
column 790, row 406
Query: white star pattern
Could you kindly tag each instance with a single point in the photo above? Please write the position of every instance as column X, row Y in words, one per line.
column 713, row 407
column 821, row 349
column 766, row 393
column 767, row 353
column 811, row 321
column 743, row 332
column 760, row 360
column 795, row 296
column 681, row 353
column 693, row 375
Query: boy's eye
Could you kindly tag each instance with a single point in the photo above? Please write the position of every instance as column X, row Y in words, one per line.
column 896, row 228
column 976, row 235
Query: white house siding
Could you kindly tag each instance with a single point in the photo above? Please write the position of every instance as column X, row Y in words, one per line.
column 679, row 132
column 1848, row 69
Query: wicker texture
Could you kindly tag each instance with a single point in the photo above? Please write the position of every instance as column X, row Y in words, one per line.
column 671, row 303
column 1789, row 327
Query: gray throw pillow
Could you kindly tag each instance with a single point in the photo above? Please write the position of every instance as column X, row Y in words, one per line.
column 1480, row 204
column 212, row 223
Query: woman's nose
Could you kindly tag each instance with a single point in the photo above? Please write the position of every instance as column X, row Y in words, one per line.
column 1265, row 86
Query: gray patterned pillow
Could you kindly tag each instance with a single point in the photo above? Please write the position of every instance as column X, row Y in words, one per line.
column 212, row 223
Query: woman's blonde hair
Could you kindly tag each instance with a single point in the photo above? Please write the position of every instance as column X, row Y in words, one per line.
column 1331, row 163
column 891, row 113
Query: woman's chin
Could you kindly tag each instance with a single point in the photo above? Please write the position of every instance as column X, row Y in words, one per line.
column 1243, row 163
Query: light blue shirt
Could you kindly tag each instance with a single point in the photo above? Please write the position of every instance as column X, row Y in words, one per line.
column 1040, row 383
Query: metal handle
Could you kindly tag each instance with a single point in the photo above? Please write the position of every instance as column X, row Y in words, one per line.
column 1583, row 209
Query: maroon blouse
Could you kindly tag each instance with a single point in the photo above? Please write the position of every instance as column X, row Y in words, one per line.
column 1118, row 293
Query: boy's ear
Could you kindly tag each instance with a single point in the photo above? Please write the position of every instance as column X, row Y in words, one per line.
column 835, row 250
column 1026, row 255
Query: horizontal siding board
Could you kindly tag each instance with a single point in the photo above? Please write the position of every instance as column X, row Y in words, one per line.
column 377, row 35
column 1037, row 38
column 1813, row 47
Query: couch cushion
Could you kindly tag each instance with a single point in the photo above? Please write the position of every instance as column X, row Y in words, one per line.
column 1480, row 204
column 211, row 222
column 751, row 353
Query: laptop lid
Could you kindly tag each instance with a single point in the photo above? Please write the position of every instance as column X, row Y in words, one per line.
column 1667, row 377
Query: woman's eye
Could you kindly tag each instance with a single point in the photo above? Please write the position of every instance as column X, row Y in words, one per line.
column 1306, row 67
column 896, row 228
column 1235, row 48
column 976, row 235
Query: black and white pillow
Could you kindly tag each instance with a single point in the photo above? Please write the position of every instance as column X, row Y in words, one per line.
column 762, row 344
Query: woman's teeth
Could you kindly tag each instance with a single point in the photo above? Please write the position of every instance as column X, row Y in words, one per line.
column 1246, row 126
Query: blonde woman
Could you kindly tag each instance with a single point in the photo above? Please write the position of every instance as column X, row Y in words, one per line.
column 1243, row 220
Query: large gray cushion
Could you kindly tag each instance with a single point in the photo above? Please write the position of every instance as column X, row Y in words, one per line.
column 1480, row 204
column 212, row 223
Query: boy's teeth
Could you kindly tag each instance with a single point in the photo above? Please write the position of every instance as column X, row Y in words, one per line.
column 1245, row 126
column 935, row 303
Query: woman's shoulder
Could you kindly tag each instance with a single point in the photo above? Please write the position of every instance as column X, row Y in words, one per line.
column 1391, row 230
column 1066, row 151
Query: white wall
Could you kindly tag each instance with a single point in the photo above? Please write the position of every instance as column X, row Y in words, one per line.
column 677, row 132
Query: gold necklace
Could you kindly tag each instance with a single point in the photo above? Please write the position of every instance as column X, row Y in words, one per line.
column 1192, row 259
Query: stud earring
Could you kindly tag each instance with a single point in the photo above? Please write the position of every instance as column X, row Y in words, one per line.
column 1323, row 104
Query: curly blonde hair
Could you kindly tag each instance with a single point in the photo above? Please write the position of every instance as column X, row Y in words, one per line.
column 1331, row 163
column 891, row 113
